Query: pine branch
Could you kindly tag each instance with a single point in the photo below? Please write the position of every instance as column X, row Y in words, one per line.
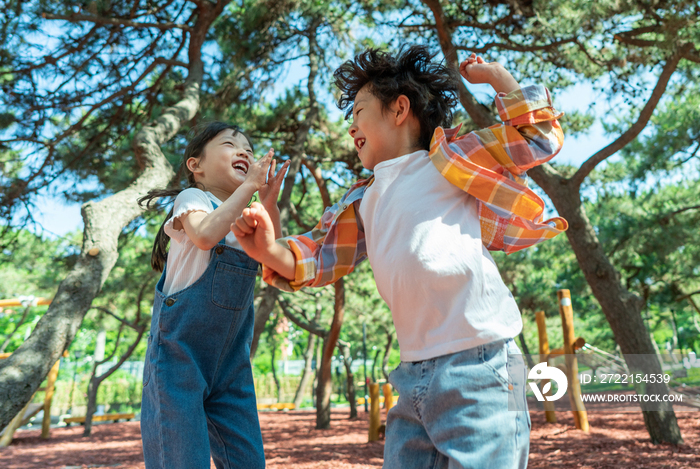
column 100, row 20
column 636, row 128
column 517, row 47
column 295, row 316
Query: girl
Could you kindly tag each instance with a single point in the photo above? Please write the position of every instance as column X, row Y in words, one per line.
column 198, row 392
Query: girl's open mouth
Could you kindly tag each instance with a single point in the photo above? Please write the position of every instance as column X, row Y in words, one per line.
column 241, row 166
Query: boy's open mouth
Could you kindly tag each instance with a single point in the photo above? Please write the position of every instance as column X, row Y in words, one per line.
column 241, row 166
column 359, row 143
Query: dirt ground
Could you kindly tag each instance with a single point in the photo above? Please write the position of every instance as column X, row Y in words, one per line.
column 615, row 441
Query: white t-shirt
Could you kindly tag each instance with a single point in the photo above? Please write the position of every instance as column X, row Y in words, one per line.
column 424, row 244
column 186, row 262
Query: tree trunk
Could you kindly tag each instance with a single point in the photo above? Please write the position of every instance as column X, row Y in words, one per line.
column 526, row 351
column 387, row 351
column 262, row 314
column 676, row 344
column 313, row 328
column 272, row 344
column 622, row 309
column 658, row 351
column 93, row 386
column 306, row 374
column 22, row 373
column 96, row 381
column 314, row 388
column 273, row 367
column 374, row 364
column 350, row 378
column 324, row 388
column 139, row 325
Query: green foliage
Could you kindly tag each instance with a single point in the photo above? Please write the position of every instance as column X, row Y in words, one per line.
column 121, row 387
column 30, row 267
column 535, row 275
column 34, row 264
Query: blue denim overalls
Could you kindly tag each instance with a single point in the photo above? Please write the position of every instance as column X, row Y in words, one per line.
column 198, row 390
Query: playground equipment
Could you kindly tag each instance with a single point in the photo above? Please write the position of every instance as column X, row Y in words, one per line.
column 596, row 359
column 375, row 419
column 571, row 345
column 23, row 302
column 277, row 406
column 550, row 415
column 100, row 418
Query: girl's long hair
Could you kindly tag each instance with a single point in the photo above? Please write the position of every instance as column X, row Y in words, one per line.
column 195, row 149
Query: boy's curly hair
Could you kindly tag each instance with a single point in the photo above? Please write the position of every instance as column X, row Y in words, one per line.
column 431, row 87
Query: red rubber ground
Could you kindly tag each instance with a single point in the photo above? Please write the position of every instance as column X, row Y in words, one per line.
column 616, row 441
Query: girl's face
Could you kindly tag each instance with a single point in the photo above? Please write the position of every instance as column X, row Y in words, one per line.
column 224, row 163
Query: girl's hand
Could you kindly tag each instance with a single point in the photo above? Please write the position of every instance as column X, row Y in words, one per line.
column 258, row 170
column 255, row 232
column 270, row 191
column 475, row 70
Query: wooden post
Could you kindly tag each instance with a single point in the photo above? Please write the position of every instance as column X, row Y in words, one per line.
column 50, row 382
column 12, row 427
column 567, row 324
column 549, row 412
column 388, row 396
column 375, row 419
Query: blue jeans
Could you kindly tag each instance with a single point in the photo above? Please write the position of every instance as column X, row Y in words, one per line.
column 453, row 411
column 198, row 391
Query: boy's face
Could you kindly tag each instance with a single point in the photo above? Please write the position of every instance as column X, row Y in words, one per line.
column 373, row 130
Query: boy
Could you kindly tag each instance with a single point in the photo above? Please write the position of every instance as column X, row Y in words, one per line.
column 425, row 220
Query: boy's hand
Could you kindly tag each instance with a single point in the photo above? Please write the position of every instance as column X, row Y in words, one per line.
column 475, row 70
column 270, row 191
column 255, row 232
column 258, row 170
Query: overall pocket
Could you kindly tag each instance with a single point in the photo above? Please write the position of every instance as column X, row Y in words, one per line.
column 232, row 287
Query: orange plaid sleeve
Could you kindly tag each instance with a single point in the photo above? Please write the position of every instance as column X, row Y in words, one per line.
column 489, row 165
column 331, row 250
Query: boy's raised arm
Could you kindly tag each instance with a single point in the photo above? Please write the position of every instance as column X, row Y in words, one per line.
column 530, row 134
column 476, row 71
column 489, row 163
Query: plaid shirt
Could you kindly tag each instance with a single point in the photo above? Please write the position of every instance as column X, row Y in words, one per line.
column 487, row 164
